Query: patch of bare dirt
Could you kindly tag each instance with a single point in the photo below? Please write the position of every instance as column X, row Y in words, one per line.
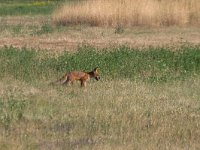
column 65, row 43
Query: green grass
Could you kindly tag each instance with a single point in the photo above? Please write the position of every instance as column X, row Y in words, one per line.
column 30, row 30
column 18, row 8
column 152, row 65
column 30, row 7
column 125, row 110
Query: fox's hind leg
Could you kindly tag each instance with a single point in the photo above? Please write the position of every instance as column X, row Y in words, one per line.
column 64, row 79
column 69, row 81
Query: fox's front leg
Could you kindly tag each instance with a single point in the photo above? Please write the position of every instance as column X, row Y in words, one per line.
column 83, row 83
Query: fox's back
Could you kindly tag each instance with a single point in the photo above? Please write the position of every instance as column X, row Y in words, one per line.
column 78, row 75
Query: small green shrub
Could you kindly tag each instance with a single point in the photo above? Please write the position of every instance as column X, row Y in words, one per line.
column 119, row 29
column 17, row 29
column 45, row 29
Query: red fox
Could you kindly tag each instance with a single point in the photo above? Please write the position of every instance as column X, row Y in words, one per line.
column 82, row 76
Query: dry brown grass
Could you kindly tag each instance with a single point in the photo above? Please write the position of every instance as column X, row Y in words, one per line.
column 23, row 32
column 106, row 115
column 130, row 13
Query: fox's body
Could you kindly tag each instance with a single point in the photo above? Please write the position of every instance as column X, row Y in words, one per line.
column 81, row 76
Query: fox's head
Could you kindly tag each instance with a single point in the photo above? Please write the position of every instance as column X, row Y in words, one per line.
column 95, row 74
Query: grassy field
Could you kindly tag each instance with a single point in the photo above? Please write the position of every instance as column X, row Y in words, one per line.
column 151, row 104
column 160, row 65
column 148, row 96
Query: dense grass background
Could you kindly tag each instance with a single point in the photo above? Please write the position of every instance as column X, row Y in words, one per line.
column 153, row 64
column 122, row 111
column 130, row 13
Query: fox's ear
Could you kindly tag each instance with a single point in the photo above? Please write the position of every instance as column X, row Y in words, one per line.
column 96, row 69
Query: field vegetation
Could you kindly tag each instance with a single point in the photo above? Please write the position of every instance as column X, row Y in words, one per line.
column 148, row 96
column 145, row 100
column 129, row 13
column 26, row 8
column 160, row 65
column 30, row 7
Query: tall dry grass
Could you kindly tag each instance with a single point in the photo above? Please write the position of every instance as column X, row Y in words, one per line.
column 130, row 13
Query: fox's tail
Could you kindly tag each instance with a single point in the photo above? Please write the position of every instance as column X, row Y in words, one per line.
column 60, row 81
